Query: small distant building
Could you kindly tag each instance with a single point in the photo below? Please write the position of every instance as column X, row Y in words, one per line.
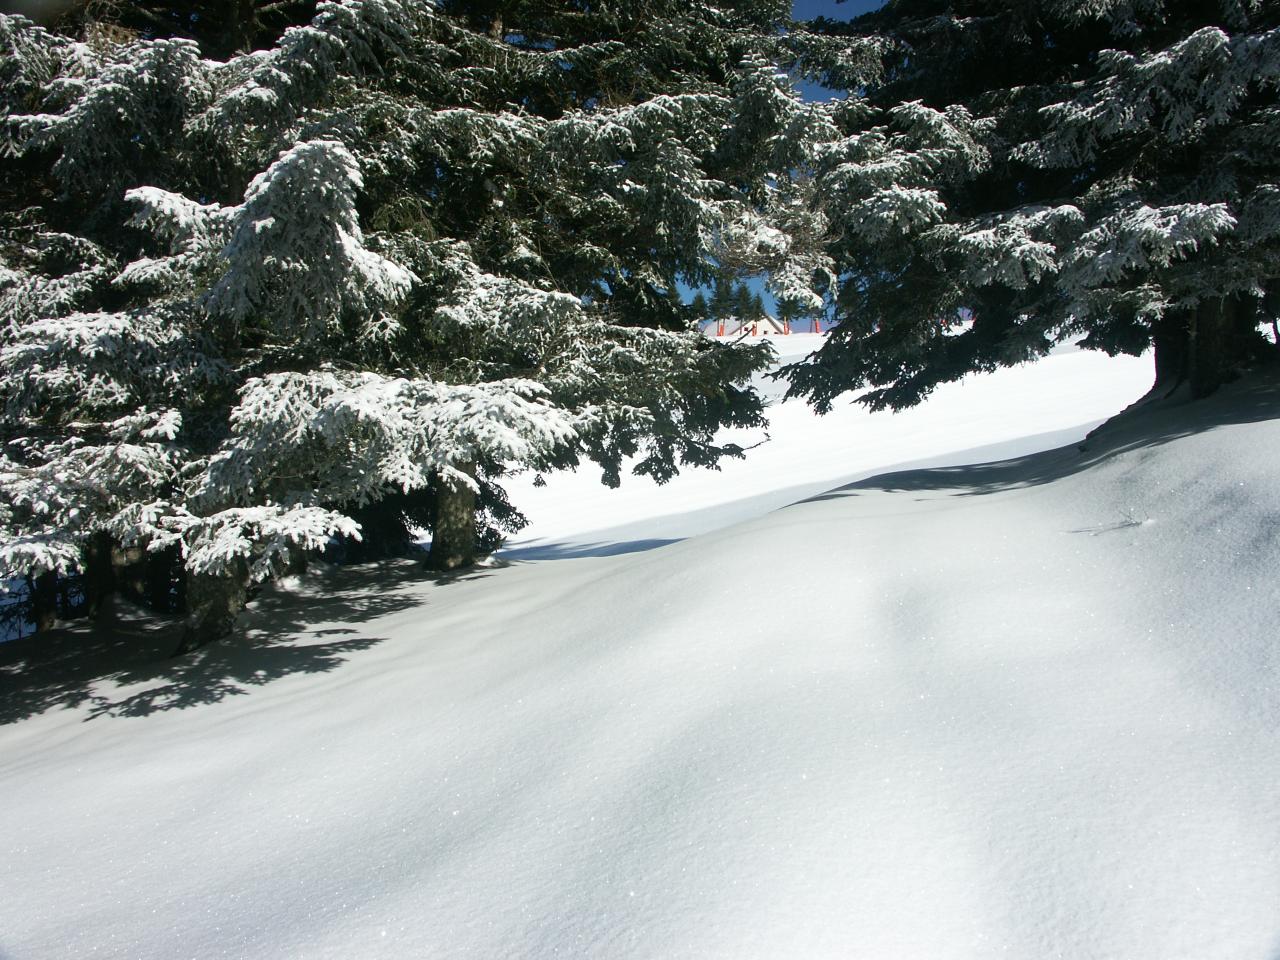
column 761, row 327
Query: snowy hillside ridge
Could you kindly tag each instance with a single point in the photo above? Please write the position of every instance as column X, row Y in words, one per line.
column 1021, row 708
column 1010, row 412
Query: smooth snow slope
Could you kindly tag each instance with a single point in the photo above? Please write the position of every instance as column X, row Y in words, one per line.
column 1026, row 709
column 1014, row 411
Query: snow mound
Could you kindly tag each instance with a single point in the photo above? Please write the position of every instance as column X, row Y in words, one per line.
column 1022, row 708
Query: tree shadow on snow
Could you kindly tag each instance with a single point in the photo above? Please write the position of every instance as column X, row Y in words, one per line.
column 127, row 669
column 1150, row 422
column 573, row 551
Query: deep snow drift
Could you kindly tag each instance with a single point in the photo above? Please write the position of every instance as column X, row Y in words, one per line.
column 1026, row 709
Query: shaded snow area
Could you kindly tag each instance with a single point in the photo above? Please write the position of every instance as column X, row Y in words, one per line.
column 1025, row 709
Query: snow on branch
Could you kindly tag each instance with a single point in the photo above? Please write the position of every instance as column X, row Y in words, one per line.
column 106, row 121
column 296, row 259
column 264, row 536
column 894, row 212
column 1015, row 249
column 32, row 59
column 603, row 135
column 948, row 139
column 32, row 554
column 501, row 307
column 886, row 181
column 1141, row 238
column 185, row 224
column 102, row 362
column 771, row 120
column 479, row 138
column 340, row 437
column 49, row 507
column 41, row 287
column 271, row 88
column 1181, row 92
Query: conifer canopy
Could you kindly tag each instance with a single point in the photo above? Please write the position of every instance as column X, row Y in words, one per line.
column 383, row 252
column 1019, row 174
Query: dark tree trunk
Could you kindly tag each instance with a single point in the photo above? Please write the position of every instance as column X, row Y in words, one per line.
column 129, row 571
column 1225, row 340
column 67, row 595
column 382, row 532
column 99, row 576
column 1171, row 339
column 1207, row 346
column 44, row 601
column 453, row 535
column 299, row 561
column 1208, row 352
column 244, row 26
column 214, row 601
column 162, row 576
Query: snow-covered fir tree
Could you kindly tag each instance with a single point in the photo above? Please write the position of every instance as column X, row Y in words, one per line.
column 342, row 283
column 1020, row 174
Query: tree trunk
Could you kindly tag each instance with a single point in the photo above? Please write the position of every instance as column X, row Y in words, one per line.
column 214, row 601
column 162, row 573
column 99, row 576
column 1208, row 346
column 453, row 535
column 1225, row 339
column 299, row 562
column 382, row 531
column 1170, row 337
column 129, row 571
column 44, row 601
column 244, row 26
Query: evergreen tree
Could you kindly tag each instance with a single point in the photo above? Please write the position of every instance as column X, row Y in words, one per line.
column 788, row 313
column 698, row 307
column 367, row 270
column 222, row 28
column 1020, row 174
column 722, row 299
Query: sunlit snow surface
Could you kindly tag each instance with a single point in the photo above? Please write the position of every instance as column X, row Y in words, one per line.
column 1025, row 709
column 1021, row 410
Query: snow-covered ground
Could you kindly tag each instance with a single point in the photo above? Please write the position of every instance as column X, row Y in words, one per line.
column 1020, row 410
column 1023, row 709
